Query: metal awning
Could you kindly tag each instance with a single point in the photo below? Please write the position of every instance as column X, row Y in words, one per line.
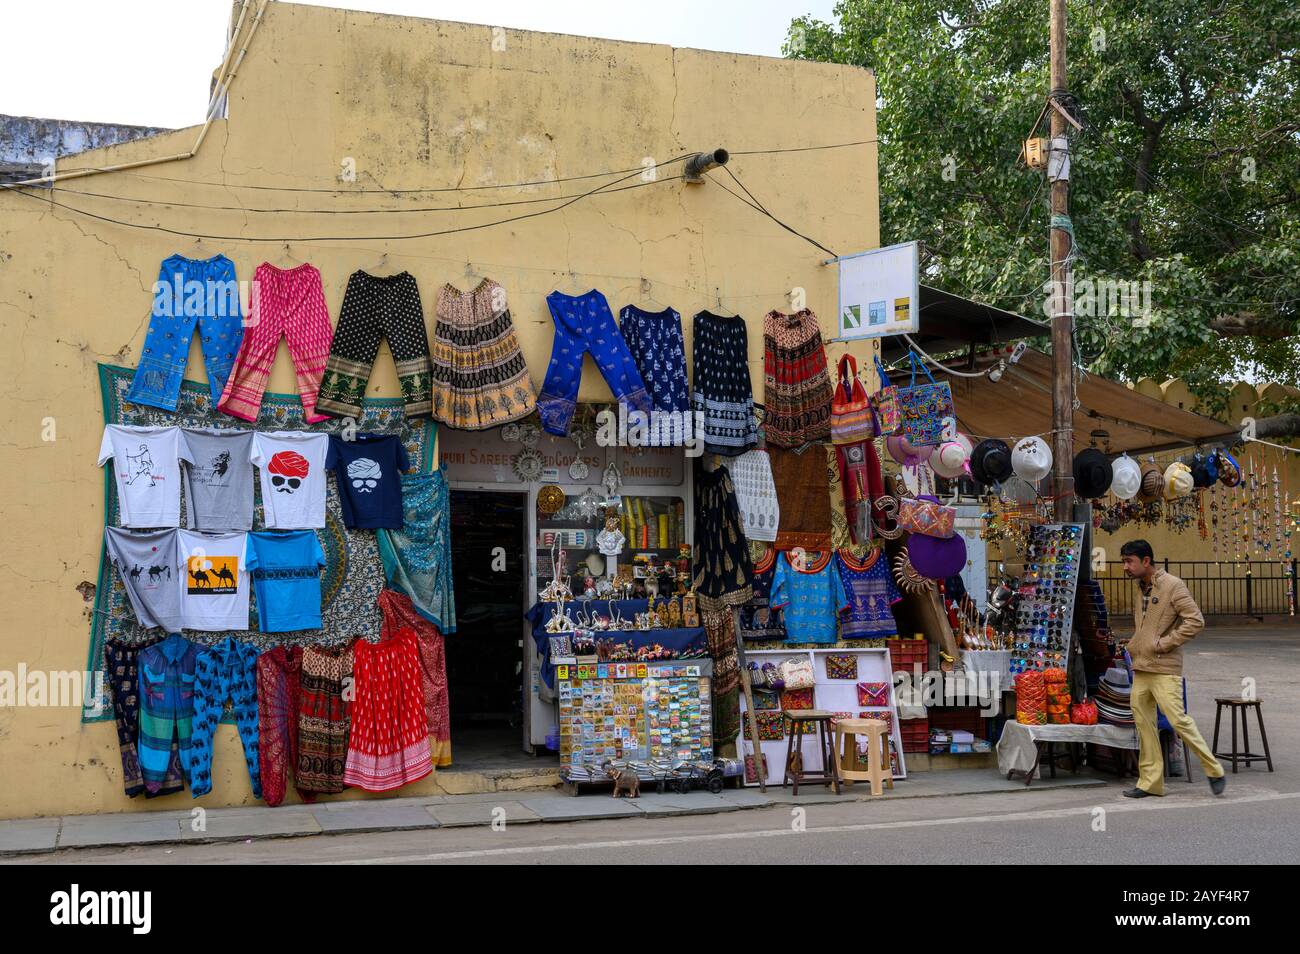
column 951, row 323
column 1021, row 404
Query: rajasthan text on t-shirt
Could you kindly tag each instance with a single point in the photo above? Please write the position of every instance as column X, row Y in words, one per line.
column 368, row 470
column 214, row 592
column 146, row 467
column 291, row 465
column 219, row 479
column 286, row 575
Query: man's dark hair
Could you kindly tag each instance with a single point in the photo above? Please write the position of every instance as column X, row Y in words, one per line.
column 1139, row 549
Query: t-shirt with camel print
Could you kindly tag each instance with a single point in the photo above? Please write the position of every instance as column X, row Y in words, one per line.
column 150, row 565
column 214, row 592
column 146, row 467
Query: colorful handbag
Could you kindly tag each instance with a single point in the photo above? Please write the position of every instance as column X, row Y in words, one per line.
column 873, row 693
column 889, row 417
column 851, row 416
column 797, row 673
column 924, row 408
column 927, row 518
column 797, row 699
column 751, row 777
column 841, row 666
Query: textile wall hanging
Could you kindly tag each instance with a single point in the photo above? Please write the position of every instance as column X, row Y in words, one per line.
column 353, row 576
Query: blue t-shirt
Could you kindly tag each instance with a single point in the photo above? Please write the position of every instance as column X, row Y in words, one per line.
column 286, row 578
column 810, row 599
column 369, row 474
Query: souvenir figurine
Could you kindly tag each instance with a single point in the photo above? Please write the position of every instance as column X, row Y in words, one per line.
column 674, row 613
column 610, row 540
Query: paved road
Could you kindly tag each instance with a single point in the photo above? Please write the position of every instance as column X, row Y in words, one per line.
column 1258, row 822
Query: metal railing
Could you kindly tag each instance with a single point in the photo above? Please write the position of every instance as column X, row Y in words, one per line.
column 1220, row 587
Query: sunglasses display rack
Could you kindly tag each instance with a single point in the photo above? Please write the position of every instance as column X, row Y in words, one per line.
column 1045, row 616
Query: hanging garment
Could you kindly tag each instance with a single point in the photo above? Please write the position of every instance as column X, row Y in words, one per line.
column 654, row 339
column 803, row 486
column 417, row 558
column 757, row 618
column 861, row 486
column 400, row 612
column 291, row 466
column 388, row 742
column 189, row 292
column 720, row 632
column 871, row 592
column 723, row 393
column 585, row 324
column 146, row 472
column 377, row 307
column 368, row 472
column 218, row 478
column 279, row 673
column 480, row 378
column 227, row 670
column 214, row 580
column 123, row 677
column 796, row 383
column 760, row 512
column 811, row 599
column 323, row 717
column 150, row 567
column 287, row 302
column 722, row 566
column 286, row 577
column 166, row 708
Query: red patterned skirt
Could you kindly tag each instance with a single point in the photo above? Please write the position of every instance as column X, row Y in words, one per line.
column 796, row 382
column 388, row 745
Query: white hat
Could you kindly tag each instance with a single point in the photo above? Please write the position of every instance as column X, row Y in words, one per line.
column 1031, row 459
column 1178, row 480
column 1127, row 480
column 950, row 458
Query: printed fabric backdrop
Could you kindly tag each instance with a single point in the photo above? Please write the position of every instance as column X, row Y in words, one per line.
column 353, row 576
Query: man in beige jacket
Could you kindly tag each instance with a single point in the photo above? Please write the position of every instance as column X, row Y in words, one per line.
column 1164, row 617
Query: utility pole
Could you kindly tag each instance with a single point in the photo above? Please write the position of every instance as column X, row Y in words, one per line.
column 1062, row 240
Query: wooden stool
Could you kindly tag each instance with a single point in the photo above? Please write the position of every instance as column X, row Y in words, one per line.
column 848, row 761
column 795, row 773
column 1234, row 706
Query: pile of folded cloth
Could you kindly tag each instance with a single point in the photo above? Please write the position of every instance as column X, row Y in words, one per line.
column 1112, row 697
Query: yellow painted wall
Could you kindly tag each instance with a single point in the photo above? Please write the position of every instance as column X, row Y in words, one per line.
column 412, row 103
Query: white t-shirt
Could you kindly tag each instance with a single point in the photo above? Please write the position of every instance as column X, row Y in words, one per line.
column 146, row 466
column 216, row 584
column 291, row 466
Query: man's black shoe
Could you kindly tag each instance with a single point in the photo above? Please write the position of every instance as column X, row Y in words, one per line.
column 1217, row 785
column 1137, row 793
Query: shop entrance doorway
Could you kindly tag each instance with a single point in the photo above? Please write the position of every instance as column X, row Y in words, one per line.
column 484, row 655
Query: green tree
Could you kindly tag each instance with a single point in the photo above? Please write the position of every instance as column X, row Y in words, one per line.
column 1186, row 173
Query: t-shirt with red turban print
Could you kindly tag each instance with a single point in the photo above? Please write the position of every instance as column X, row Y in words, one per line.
column 291, row 466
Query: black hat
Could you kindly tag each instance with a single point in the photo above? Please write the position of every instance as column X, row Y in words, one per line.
column 1092, row 474
column 1205, row 470
column 990, row 461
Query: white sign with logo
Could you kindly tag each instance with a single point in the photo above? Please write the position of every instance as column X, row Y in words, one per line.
column 880, row 292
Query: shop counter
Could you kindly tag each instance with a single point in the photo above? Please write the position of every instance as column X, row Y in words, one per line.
column 681, row 640
column 1020, row 749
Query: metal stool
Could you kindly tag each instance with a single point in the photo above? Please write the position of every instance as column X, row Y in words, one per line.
column 794, row 770
column 1234, row 706
column 848, row 761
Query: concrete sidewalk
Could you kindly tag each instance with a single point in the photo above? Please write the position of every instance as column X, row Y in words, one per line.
column 39, row 835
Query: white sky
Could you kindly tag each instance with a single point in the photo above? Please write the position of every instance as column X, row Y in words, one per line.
column 148, row 62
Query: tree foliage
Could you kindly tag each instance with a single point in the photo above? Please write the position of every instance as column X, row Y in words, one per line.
column 1186, row 174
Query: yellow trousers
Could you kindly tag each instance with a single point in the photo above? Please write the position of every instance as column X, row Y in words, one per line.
column 1149, row 691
